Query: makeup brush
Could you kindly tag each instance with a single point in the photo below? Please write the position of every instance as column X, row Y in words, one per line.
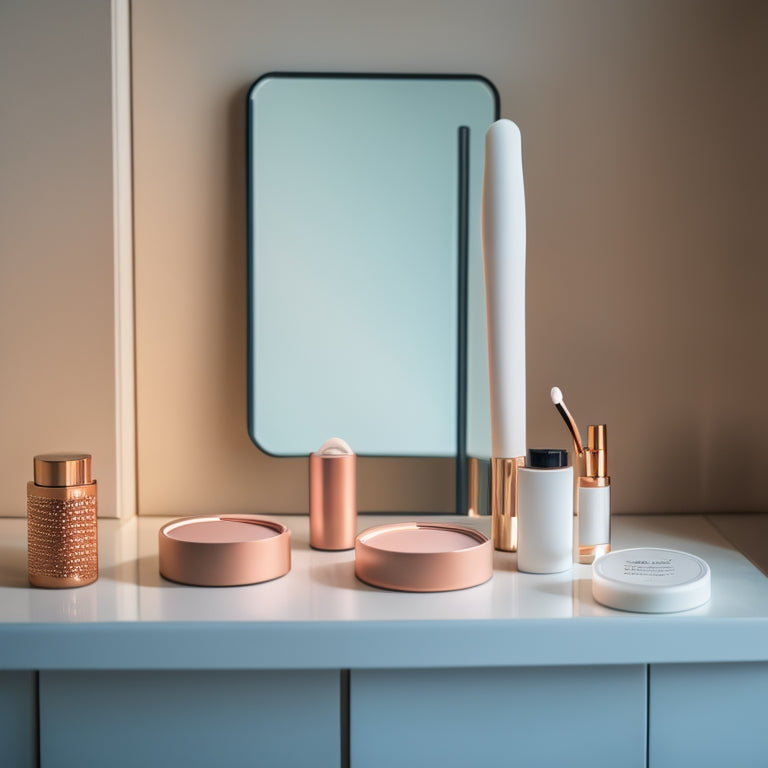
column 557, row 400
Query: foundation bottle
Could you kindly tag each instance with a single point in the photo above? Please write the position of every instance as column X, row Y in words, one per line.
column 594, row 498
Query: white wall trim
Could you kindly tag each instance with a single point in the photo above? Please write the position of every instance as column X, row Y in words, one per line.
column 122, row 185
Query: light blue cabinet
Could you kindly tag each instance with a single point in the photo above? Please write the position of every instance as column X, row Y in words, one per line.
column 527, row 716
column 18, row 719
column 189, row 719
column 682, row 714
column 708, row 715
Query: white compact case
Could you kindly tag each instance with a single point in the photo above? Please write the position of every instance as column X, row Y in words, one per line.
column 651, row 580
column 545, row 512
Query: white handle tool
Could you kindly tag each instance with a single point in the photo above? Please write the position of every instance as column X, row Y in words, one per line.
column 503, row 233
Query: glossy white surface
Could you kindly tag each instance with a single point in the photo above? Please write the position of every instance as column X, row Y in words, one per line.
column 319, row 615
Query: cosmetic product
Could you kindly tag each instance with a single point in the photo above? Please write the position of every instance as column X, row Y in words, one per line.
column 651, row 580
column 545, row 512
column 423, row 557
column 593, row 497
column 503, row 238
column 333, row 496
column 224, row 550
column 559, row 403
column 62, row 528
column 593, row 501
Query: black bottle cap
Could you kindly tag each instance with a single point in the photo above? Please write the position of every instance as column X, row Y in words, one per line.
column 547, row 458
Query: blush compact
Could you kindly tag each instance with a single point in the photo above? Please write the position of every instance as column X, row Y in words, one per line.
column 423, row 557
column 224, row 550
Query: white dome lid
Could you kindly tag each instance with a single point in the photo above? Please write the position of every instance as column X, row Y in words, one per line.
column 650, row 580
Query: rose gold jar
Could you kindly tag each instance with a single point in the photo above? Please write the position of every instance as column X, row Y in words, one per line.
column 62, row 533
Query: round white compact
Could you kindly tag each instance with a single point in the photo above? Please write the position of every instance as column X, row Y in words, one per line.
column 650, row 580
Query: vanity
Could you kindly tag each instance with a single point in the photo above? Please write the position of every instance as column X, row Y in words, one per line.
column 317, row 668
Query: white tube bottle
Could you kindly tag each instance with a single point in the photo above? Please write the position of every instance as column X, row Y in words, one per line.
column 545, row 512
column 593, row 505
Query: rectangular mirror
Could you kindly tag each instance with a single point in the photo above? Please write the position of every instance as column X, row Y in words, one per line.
column 364, row 255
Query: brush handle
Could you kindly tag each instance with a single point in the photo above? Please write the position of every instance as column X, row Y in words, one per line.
column 503, row 233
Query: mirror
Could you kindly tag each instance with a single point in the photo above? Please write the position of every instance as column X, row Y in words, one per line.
column 364, row 262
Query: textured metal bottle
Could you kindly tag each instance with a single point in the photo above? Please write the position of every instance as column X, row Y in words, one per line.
column 62, row 529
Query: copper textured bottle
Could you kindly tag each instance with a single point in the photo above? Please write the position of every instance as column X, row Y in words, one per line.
column 62, row 532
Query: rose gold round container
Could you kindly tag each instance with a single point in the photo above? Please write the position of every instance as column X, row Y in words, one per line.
column 332, row 501
column 423, row 557
column 224, row 550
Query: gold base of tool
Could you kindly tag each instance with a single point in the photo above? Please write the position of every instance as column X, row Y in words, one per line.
column 504, row 502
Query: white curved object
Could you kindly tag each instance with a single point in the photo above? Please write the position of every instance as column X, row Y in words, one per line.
column 503, row 233
column 335, row 446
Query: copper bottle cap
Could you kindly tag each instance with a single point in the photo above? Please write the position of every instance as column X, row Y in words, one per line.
column 597, row 451
column 58, row 470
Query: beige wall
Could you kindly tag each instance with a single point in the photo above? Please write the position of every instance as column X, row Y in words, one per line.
column 645, row 164
column 57, row 323
column 646, row 173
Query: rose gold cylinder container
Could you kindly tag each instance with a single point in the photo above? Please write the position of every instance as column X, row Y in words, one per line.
column 332, row 500
column 224, row 550
column 62, row 531
column 423, row 557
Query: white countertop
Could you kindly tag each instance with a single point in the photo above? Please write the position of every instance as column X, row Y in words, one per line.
column 320, row 616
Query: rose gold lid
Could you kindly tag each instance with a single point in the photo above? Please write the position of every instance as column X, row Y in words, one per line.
column 224, row 550
column 58, row 470
column 423, row 557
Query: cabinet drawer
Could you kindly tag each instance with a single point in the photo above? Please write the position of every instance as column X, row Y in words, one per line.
column 189, row 718
column 530, row 716
column 18, row 719
column 708, row 715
